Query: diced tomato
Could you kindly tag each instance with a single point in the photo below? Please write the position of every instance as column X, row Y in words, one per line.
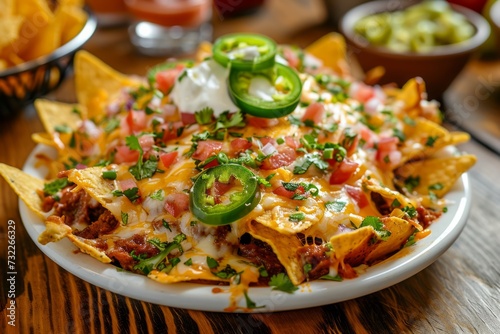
column 165, row 80
column 314, row 113
column 127, row 184
column 388, row 155
column 125, row 154
column 282, row 191
column 387, row 144
column 292, row 142
column 176, row 204
column 218, row 189
column 146, row 142
column 343, row 172
column 291, row 57
column 267, row 140
column 240, row 145
column 363, row 92
column 346, row 271
column 259, row 122
column 188, row 118
column 136, row 120
column 350, row 144
column 284, row 157
column 368, row 137
column 357, row 195
column 211, row 164
column 207, row 148
column 170, row 130
column 168, row 158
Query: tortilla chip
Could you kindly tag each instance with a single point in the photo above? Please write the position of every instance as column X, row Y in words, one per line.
column 331, row 50
column 55, row 230
column 53, row 114
column 96, row 83
column 425, row 138
column 390, row 195
column 87, row 246
column 6, row 8
column 43, row 138
column 72, row 20
column 400, row 230
column 284, row 247
column 91, row 180
column 25, row 186
column 436, row 175
column 278, row 218
column 49, row 39
column 10, row 27
column 352, row 247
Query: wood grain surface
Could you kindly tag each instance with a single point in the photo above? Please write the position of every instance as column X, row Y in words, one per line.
column 459, row 293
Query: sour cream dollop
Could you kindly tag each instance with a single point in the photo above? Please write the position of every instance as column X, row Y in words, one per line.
column 204, row 85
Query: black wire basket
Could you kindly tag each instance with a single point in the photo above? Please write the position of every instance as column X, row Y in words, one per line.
column 22, row 84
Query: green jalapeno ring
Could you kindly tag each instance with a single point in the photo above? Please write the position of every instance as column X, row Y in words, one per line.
column 241, row 203
column 282, row 104
column 224, row 45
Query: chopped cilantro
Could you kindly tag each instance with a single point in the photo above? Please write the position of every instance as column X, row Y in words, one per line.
column 336, row 278
column 412, row 182
column 436, row 186
column 250, row 303
column 141, row 170
column 212, row 263
column 188, row 262
column 62, row 129
column 113, row 124
column 204, row 116
column 409, row 121
column 55, row 186
column 307, row 268
column 410, row 211
column 336, row 206
column 158, row 195
column 131, row 193
column 147, row 265
column 411, row 240
column 377, row 225
column 395, row 203
column 263, row 272
column 398, row 134
column 431, row 140
column 124, row 216
column 166, row 225
column 226, row 273
column 310, row 159
column 296, row 217
column 283, row 283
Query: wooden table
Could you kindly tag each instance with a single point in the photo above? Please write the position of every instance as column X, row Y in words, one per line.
column 459, row 293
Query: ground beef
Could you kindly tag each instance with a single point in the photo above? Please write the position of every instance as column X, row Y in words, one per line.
column 77, row 207
column 136, row 243
column 316, row 256
column 220, row 235
column 260, row 254
column 382, row 206
column 105, row 224
column 426, row 217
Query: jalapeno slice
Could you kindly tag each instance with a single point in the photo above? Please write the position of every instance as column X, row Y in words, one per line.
column 245, row 51
column 278, row 95
column 224, row 194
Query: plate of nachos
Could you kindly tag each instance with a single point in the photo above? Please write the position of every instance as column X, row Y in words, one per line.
column 256, row 177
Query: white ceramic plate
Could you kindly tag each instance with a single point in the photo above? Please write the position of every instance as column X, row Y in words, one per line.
column 408, row 262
